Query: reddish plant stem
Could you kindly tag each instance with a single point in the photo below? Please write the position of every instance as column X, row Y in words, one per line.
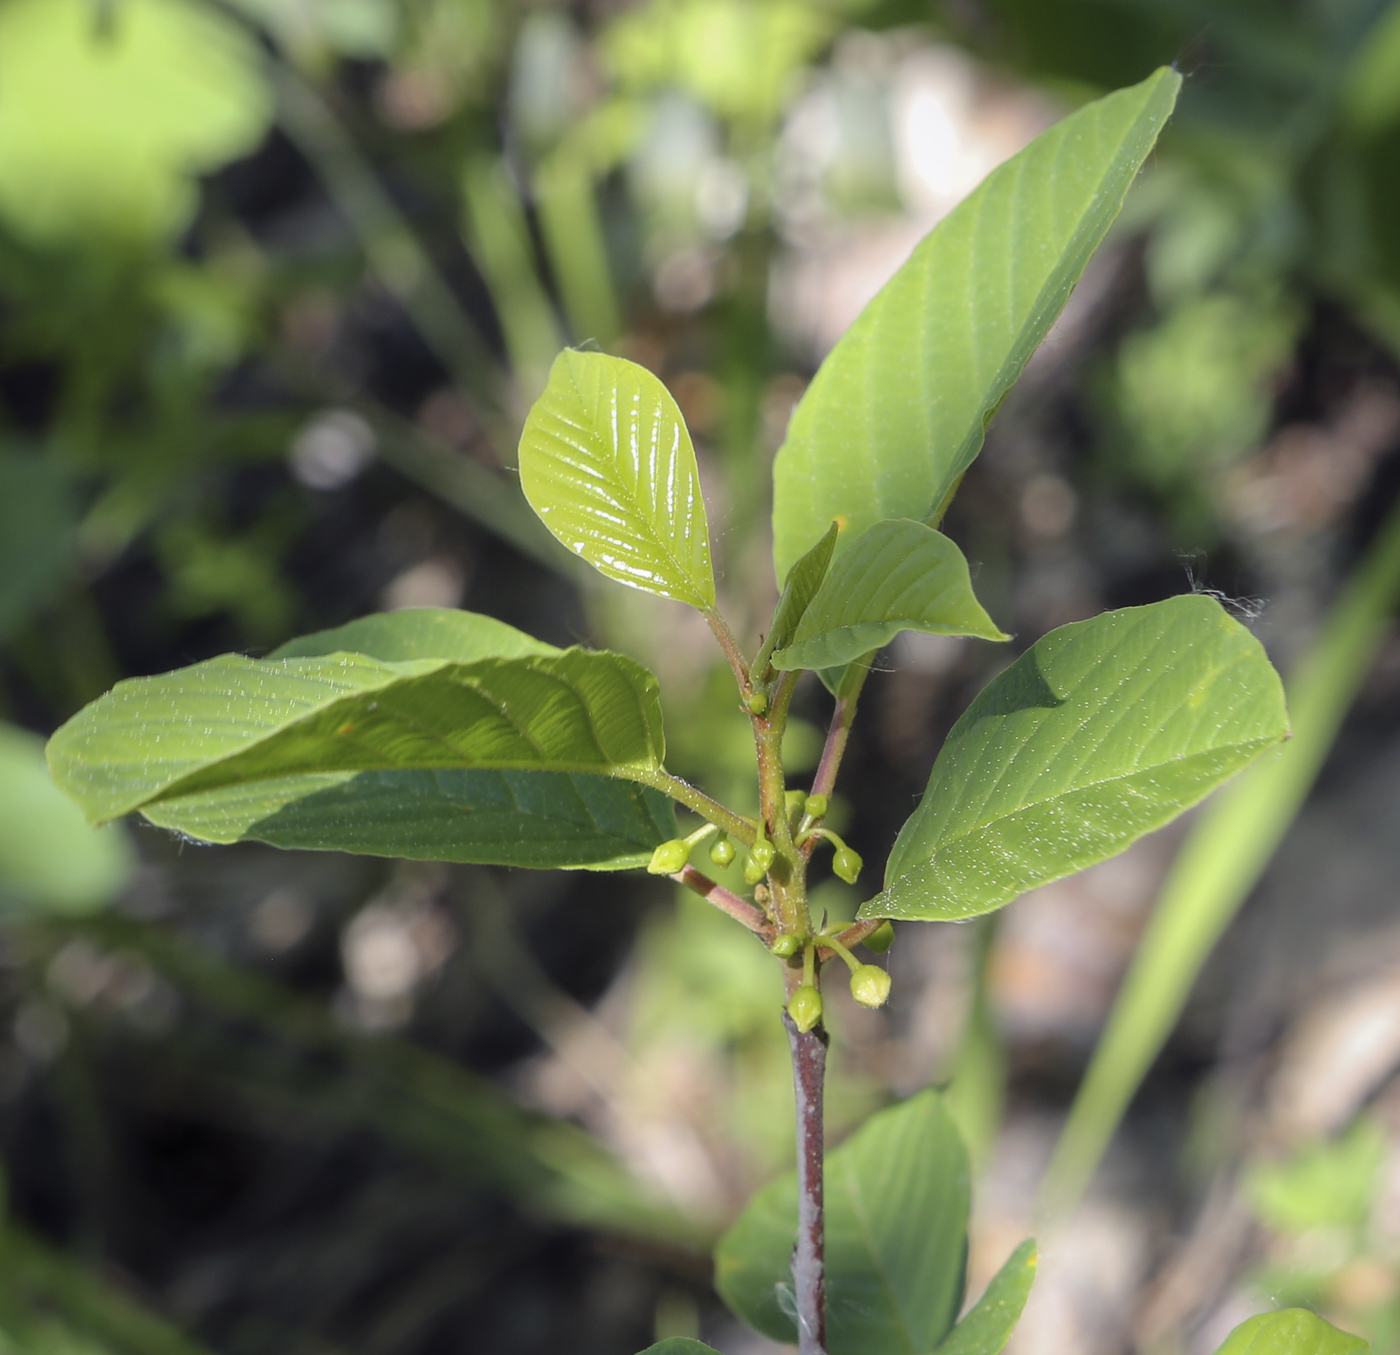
column 740, row 909
column 809, row 1256
column 720, row 628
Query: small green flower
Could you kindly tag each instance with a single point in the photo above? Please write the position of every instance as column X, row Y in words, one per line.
column 817, row 805
column 786, row 946
column 722, row 853
column 805, row 1008
column 847, row 864
column 669, row 857
column 870, row 986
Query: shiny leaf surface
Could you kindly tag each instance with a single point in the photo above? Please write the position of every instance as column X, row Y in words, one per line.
column 1293, row 1331
column 987, row 1327
column 607, row 463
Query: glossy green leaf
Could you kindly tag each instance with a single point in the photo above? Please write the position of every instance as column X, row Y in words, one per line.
column 987, row 1327
column 896, row 1238
column 234, row 721
column 1293, row 1331
column 1102, row 731
column 897, row 411
column 50, row 857
column 607, row 463
column 803, row 580
column 899, row 575
column 106, row 122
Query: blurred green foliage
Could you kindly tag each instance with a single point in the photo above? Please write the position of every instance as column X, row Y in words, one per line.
column 278, row 277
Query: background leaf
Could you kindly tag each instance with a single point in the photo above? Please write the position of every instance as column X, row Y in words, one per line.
column 987, row 1328
column 1294, row 1331
column 50, row 858
column 680, row 1345
column 37, row 518
column 105, row 125
column 1099, row 733
column 233, row 721
column 607, row 463
column 897, row 411
column 898, row 575
column 896, row 1239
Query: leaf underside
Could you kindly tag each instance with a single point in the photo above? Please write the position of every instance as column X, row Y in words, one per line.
column 803, row 581
column 896, row 1238
column 899, row 575
column 1103, row 731
column 897, row 411
column 607, row 463
column 541, row 820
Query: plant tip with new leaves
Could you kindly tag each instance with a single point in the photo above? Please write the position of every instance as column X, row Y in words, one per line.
column 805, row 1007
column 870, row 986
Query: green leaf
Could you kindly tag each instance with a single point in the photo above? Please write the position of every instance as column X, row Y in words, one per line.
column 418, row 633
column 105, row 124
column 897, row 411
column 607, row 463
column 898, row 575
column 1102, row 731
column 680, row 1345
column 988, row 1326
column 542, row 820
column 234, row 721
column 1227, row 850
column 1293, row 1331
column 803, row 580
column 50, row 858
column 896, row 1238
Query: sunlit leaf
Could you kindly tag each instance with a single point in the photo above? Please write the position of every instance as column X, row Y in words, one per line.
column 899, row 575
column 898, row 409
column 50, row 857
column 108, row 112
column 607, row 463
column 1293, row 1331
column 896, row 1238
column 418, row 633
column 1103, row 731
column 987, row 1327
column 232, row 721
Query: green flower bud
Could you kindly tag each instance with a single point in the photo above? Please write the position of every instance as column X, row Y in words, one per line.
column 786, row 946
column 847, row 864
column 757, row 702
column 881, row 939
column 870, row 986
column 793, row 800
column 669, row 857
column 756, row 865
column 722, row 853
column 805, row 1008
column 817, row 805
